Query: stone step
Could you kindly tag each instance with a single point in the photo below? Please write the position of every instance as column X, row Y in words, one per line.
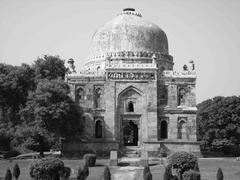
column 130, row 161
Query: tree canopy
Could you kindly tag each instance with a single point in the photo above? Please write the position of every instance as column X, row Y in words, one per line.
column 218, row 121
column 35, row 107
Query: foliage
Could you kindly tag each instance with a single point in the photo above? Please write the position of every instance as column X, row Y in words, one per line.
column 16, row 171
column 46, row 168
column 65, row 172
column 146, row 169
column 49, row 67
column 107, row 173
column 182, row 161
column 83, row 171
column 191, row 175
column 196, row 167
column 168, row 172
column 90, row 159
column 50, row 113
column 18, row 86
column 218, row 122
column 10, row 154
column 4, row 142
column 15, row 83
column 8, row 175
column 219, row 174
column 147, row 175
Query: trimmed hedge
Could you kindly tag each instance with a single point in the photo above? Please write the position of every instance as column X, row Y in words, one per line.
column 219, row 174
column 107, row 173
column 83, row 171
column 90, row 159
column 65, row 172
column 183, row 161
column 168, row 173
column 46, row 168
column 16, row 171
column 191, row 175
column 8, row 175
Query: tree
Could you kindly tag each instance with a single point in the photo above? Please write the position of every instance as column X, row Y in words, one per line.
column 15, row 83
column 218, row 122
column 50, row 112
column 49, row 67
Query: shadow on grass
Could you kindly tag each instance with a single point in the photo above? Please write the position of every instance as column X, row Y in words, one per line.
column 123, row 164
column 99, row 165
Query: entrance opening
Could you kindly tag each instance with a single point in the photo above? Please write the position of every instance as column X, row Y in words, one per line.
column 130, row 134
column 164, row 130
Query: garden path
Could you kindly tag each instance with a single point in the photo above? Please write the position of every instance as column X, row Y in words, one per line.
column 127, row 173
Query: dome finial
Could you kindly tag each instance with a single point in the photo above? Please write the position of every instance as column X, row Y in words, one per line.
column 128, row 9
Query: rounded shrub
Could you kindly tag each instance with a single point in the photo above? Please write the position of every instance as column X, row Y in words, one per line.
column 183, row 161
column 65, row 173
column 16, row 171
column 90, row 159
column 191, row 175
column 83, row 171
column 46, row 168
column 168, row 173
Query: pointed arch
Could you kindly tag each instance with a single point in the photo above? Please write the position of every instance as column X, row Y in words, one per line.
column 139, row 92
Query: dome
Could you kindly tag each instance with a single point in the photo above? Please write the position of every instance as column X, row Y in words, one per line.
column 129, row 32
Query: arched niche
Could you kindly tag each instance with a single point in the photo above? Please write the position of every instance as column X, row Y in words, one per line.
column 164, row 129
column 98, row 98
column 130, row 100
column 182, row 128
column 181, row 96
column 80, row 94
column 98, row 129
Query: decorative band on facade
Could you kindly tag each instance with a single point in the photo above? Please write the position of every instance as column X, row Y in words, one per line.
column 131, row 54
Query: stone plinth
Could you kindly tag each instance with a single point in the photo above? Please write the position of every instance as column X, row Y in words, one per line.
column 113, row 158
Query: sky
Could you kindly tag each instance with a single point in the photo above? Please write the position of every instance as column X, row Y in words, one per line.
column 206, row 31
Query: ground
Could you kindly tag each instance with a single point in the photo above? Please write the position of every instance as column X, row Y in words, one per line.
column 208, row 168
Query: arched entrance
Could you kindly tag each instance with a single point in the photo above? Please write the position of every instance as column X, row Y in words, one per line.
column 130, row 134
column 130, row 109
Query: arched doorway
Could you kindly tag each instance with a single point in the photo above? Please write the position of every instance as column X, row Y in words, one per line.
column 130, row 109
column 130, row 134
column 182, row 133
column 164, row 130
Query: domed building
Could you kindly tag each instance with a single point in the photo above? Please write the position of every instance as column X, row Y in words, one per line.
column 131, row 97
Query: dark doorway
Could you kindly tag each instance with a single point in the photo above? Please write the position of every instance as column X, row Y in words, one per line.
column 130, row 134
column 98, row 129
column 164, row 130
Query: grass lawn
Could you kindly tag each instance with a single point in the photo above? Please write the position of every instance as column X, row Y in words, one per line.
column 95, row 173
column 208, row 168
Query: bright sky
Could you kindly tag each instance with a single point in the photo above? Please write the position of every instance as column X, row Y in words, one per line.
column 206, row 31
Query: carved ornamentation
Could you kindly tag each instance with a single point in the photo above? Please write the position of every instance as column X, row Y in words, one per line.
column 130, row 76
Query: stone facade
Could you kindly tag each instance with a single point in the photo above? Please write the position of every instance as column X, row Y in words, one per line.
column 130, row 94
